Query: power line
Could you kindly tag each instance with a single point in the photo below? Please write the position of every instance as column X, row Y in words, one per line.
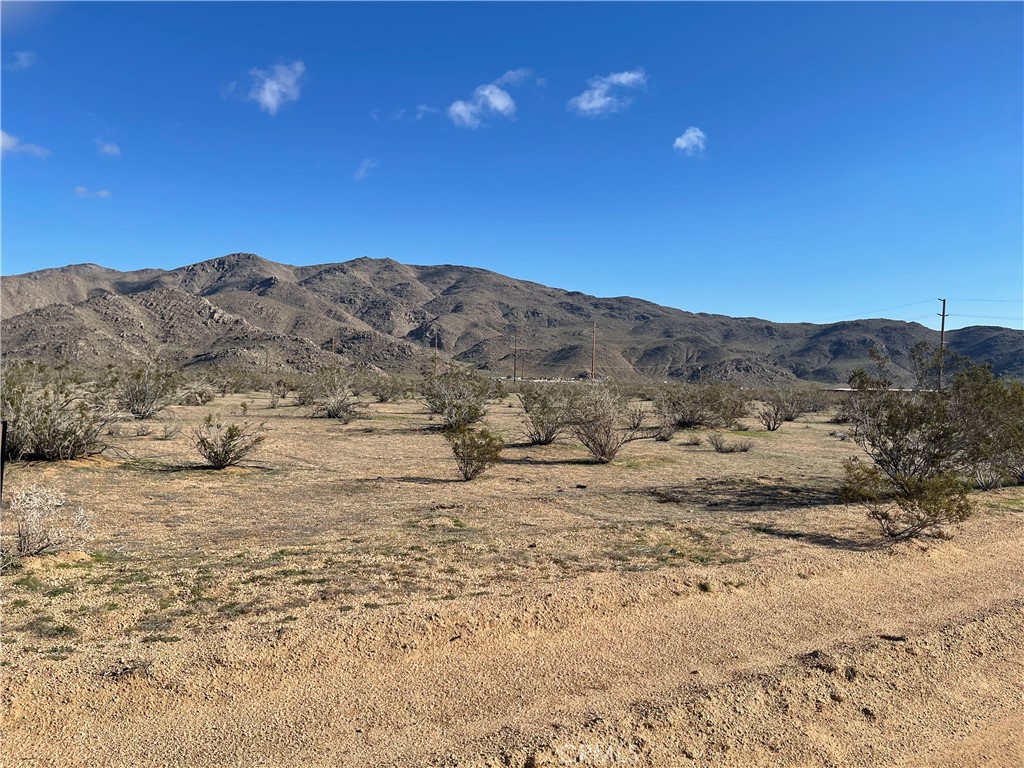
column 994, row 301
column 872, row 311
column 990, row 317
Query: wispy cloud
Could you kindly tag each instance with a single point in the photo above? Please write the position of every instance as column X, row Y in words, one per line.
column 422, row 110
column 604, row 95
column 86, row 194
column 10, row 144
column 515, row 76
column 273, row 88
column 22, row 61
column 364, row 169
column 487, row 99
column 108, row 148
column 691, row 142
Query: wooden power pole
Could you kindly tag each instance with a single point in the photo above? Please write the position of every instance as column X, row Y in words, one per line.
column 942, row 341
column 593, row 353
column 515, row 354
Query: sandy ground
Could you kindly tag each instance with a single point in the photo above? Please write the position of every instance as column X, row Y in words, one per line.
column 615, row 629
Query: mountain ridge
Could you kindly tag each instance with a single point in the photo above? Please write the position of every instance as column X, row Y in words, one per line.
column 246, row 308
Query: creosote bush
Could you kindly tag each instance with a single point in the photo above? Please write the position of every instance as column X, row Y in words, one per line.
column 721, row 445
column 330, row 393
column 685, row 406
column 43, row 523
column 145, row 390
column 458, row 396
column 927, row 446
column 474, row 449
column 545, row 409
column 224, row 444
column 595, row 414
column 51, row 415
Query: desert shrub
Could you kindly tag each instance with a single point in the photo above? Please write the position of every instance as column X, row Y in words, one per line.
column 911, row 507
column 721, row 445
column 170, row 430
column 330, row 393
column 595, row 412
column 772, row 414
column 474, row 449
column 145, row 390
column 691, row 440
column 927, row 445
column 685, row 406
column 43, row 522
column 198, row 392
column 545, row 411
column 50, row 416
column 224, row 444
column 277, row 391
column 457, row 395
column 382, row 386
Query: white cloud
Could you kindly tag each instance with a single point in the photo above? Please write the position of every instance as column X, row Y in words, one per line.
column 108, row 148
column 10, row 143
column 603, row 96
column 364, row 169
column 422, row 110
column 486, row 99
column 85, row 193
column 691, row 142
column 274, row 88
column 22, row 61
column 515, row 76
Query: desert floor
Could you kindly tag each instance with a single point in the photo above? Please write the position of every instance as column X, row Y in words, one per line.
column 344, row 599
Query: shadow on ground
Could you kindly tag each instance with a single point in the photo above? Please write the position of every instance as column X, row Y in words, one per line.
column 742, row 495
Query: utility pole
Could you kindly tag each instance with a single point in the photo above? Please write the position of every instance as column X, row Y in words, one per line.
column 515, row 353
column 434, row 330
column 593, row 353
column 942, row 341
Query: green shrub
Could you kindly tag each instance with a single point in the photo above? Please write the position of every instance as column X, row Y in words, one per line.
column 50, row 415
column 225, row 444
column 330, row 393
column 546, row 411
column 474, row 450
column 458, row 396
column 685, row 406
column 595, row 414
column 144, row 391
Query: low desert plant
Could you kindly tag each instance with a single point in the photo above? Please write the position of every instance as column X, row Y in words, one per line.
column 144, row 391
column 171, row 429
column 474, row 449
column 458, row 396
column 595, row 412
column 43, row 523
column 685, row 406
column 911, row 508
column 224, row 444
column 692, row 440
column 50, row 416
column 545, row 411
column 721, row 445
column 330, row 393
column 771, row 414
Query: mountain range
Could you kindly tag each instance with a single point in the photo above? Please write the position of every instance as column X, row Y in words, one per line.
column 243, row 309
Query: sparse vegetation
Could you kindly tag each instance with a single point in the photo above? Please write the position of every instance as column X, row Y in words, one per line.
column 43, row 523
column 474, row 449
column 544, row 411
column 721, row 445
column 224, row 444
column 143, row 391
column 685, row 406
column 330, row 393
column 458, row 396
column 926, row 445
column 595, row 414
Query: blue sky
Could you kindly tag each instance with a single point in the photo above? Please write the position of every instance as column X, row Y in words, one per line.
column 797, row 162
